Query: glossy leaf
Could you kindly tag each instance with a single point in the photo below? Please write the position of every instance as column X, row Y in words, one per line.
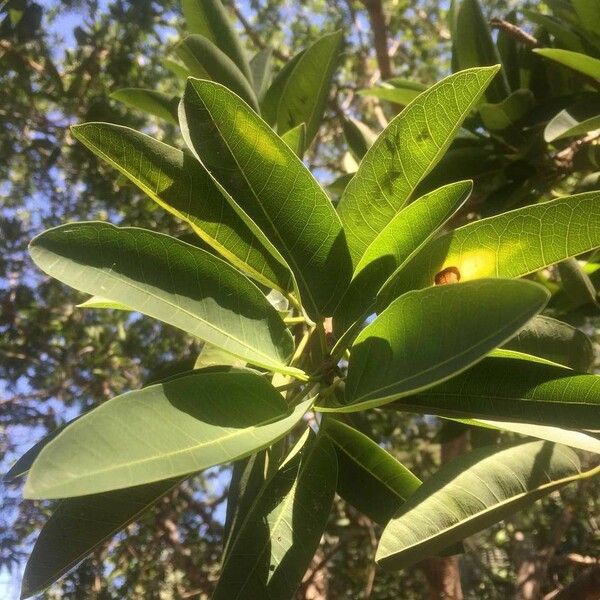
column 556, row 341
column 473, row 46
column 471, row 493
column 209, row 18
column 282, row 531
column 149, row 101
column 272, row 186
column 307, row 88
column 512, row 244
column 204, row 60
column 175, row 181
column 425, row 337
column 261, row 67
column 409, row 147
column 564, row 125
column 509, row 111
column 369, row 478
column 582, row 63
column 510, row 389
column 169, row 280
column 79, row 525
column 183, row 425
column 401, row 239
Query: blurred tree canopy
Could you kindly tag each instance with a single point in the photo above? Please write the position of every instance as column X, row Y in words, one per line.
column 59, row 63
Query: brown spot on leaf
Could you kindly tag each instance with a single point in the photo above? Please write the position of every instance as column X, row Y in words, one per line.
column 448, row 275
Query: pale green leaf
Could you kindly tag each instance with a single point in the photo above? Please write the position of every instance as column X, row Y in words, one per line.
column 282, row 531
column 149, row 101
column 296, row 139
column 512, row 244
column 307, row 88
column 369, row 478
column 169, row 280
column 79, row 525
column 183, row 425
column 176, row 68
column 409, row 147
column 272, row 186
column 261, row 66
column 204, row 60
column 427, row 336
column 99, row 302
column 471, row 493
column 209, row 18
column 564, row 125
column 175, row 181
column 401, row 239
column 582, row 63
column 396, row 91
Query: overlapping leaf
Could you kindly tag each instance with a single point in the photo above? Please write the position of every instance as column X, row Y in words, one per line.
column 518, row 390
column 176, row 181
column 169, row 280
column 471, row 493
column 401, row 239
column 369, row 478
column 582, row 63
column 281, row 533
column 427, row 336
column 149, row 101
column 272, row 186
column 409, row 147
column 512, row 244
column 183, row 425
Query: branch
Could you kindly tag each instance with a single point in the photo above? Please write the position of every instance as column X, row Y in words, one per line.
column 253, row 35
column 513, row 31
column 380, row 36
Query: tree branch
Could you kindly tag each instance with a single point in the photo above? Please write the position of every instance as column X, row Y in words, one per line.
column 380, row 36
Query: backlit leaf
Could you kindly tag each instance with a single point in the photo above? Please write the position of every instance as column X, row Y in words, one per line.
column 577, row 61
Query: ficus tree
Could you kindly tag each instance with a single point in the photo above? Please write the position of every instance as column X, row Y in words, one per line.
column 312, row 311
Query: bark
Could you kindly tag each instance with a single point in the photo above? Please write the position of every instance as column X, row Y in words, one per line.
column 585, row 587
column 380, row 36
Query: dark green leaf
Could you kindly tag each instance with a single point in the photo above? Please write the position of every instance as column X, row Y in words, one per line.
column 206, row 61
column 151, row 272
column 282, row 531
column 509, row 111
column 307, row 88
column 409, row 147
column 369, row 478
column 577, row 61
column 576, row 284
column 358, row 136
column 261, row 66
column 272, row 186
column 183, row 425
column 471, row 493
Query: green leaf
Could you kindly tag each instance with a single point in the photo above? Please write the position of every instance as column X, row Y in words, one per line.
column 269, row 104
column 471, row 493
column 473, row 46
column 282, row 531
column 79, row 525
column 581, row 63
column 558, row 435
column 359, row 137
column 169, row 280
column 149, row 101
column 510, row 389
column 427, row 336
column 206, row 61
column 563, row 34
column 512, row 244
column 576, row 284
column 369, row 478
column 588, row 12
column 401, row 239
column 564, row 125
column 272, row 186
column 396, row 91
column 509, row 111
column 176, row 68
column 556, row 341
column 296, row 139
column 409, row 147
column 99, row 302
column 175, row 181
column 209, row 18
column 307, row 88
column 261, row 66
column 211, row 356
column 171, row 429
